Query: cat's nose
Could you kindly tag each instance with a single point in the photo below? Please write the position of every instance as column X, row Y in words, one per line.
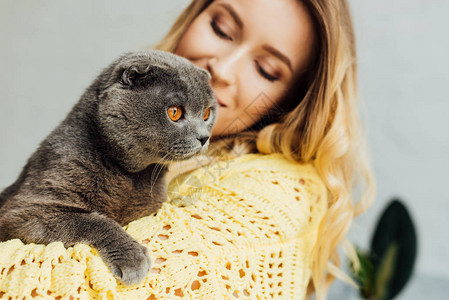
column 203, row 140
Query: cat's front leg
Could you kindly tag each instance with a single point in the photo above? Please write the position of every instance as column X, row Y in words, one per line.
column 126, row 258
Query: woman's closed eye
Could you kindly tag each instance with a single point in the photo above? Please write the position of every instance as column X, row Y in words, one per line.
column 265, row 74
column 218, row 31
column 223, row 35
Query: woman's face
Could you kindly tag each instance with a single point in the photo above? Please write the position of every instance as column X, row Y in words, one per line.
column 252, row 48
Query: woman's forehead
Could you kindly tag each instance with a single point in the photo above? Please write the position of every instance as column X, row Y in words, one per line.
column 282, row 25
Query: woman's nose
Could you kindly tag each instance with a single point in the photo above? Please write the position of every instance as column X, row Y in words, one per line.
column 225, row 67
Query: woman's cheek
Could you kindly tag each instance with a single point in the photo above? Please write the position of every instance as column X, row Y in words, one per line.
column 263, row 93
column 258, row 98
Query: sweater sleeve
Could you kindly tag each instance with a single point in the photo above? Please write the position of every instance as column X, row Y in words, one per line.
column 242, row 228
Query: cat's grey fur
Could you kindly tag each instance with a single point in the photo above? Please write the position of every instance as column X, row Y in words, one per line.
column 103, row 166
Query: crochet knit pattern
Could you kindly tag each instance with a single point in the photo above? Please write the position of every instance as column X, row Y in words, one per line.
column 241, row 228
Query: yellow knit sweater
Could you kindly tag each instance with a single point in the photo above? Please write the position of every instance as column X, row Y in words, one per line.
column 241, row 228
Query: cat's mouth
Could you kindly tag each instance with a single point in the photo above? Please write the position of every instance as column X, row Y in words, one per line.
column 175, row 157
column 181, row 154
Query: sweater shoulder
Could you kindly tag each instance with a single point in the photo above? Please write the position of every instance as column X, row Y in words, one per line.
column 277, row 186
column 253, row 172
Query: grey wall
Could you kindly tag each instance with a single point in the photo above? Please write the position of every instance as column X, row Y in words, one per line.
column 404, row 75
column 51, row 50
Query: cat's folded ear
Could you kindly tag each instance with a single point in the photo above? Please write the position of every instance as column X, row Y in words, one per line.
column 138, row 75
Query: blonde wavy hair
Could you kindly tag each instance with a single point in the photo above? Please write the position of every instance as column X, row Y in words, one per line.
column 320, row 124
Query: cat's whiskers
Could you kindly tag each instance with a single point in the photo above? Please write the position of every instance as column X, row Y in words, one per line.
column 157, row 169
column 177, row 167
column 155, row 172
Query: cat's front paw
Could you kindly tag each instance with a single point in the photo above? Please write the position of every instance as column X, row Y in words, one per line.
column 130, row 264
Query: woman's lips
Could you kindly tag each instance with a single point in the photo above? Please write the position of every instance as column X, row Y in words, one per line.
column 220, row 103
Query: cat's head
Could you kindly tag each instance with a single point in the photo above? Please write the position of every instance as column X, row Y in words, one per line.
column 154, row 107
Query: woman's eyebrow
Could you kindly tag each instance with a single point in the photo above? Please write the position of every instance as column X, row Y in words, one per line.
column 279, row 55
column 233, row 14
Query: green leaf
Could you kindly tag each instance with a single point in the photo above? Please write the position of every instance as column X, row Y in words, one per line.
column 365, row 275
column 385, row 272
column 393, row 250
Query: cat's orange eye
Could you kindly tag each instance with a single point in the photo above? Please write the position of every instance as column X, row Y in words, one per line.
column 174, row 112
column 206, row 114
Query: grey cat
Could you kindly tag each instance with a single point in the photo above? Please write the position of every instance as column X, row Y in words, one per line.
column 103, row 166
